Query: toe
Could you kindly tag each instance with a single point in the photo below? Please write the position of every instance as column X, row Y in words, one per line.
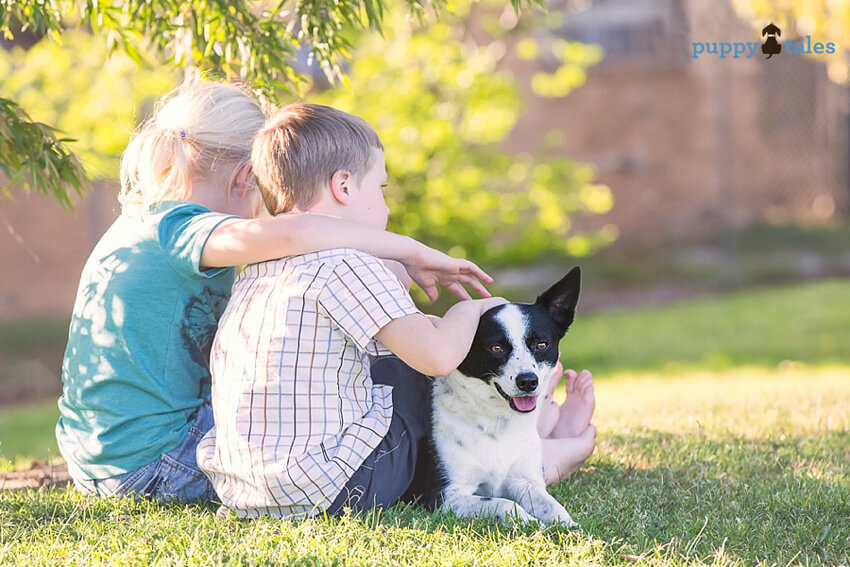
column 554, row 379
column 584, row 382
column 571, row 376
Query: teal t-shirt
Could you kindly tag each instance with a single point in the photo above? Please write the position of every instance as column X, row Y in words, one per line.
column 136, row 365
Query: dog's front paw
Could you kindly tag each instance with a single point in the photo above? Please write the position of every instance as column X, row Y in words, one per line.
column 564, row 519
column 551, row 512
column 518, row 515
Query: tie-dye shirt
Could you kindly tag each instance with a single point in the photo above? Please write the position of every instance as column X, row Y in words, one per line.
column 136, row 365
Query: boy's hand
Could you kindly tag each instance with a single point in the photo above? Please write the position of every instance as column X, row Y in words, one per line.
column 429, row 268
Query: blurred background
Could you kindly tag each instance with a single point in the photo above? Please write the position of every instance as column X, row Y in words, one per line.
column 706, row 199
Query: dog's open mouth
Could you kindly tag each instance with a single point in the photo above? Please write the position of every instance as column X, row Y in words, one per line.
column 522, row 404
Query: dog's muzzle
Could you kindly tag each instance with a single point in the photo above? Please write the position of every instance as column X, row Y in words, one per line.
column 522, row 404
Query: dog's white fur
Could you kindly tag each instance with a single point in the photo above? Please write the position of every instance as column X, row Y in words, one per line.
column 490, row 454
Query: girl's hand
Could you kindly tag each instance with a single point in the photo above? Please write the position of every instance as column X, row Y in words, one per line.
column 429, row 268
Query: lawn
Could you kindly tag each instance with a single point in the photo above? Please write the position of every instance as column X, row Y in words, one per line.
column 724, row 438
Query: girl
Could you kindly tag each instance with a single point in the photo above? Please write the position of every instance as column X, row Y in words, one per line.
column 135, row 375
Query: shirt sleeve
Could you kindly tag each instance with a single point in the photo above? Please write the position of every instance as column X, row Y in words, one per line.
column 183, row 232
column 362, row 295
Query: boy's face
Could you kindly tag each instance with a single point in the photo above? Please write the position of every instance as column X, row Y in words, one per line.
column 367, row 203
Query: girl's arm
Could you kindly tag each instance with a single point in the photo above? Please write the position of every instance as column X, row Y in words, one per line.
column 235, row 242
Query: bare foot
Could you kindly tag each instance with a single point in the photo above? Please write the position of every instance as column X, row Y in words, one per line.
column 549, row 412
column 563, row 457
column 577, row 411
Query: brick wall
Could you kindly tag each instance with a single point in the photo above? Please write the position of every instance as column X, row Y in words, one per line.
column 43, row 249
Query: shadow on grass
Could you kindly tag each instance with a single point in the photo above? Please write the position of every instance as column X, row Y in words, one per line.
column 650, row 497
column 778, row 501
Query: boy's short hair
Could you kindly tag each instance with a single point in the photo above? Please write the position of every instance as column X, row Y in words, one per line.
column 301, row 146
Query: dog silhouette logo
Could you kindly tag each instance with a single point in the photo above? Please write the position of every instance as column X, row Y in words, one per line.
column 771, row 47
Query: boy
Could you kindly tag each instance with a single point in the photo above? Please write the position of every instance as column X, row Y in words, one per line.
column 303, row 421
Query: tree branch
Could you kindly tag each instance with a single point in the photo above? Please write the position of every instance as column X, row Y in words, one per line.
column 32, row 156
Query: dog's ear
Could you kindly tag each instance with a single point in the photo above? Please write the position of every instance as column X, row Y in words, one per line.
column 561, row 299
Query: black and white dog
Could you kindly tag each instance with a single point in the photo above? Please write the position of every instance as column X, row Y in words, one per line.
column 487, row 450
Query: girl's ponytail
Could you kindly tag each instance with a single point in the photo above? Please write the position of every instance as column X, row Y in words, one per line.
column 193, row 129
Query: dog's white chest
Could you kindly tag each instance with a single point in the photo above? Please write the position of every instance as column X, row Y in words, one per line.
column 472, row 456
column 482, row 448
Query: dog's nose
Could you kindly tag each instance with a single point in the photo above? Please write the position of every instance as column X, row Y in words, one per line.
column 527, row 381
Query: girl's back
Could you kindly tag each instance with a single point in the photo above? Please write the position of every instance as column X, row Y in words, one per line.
column 135, row 368
column 135, row 375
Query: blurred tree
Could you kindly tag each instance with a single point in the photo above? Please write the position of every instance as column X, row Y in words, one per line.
column 824, row 20
column 442, row 107
column 435, row 90
column 255, row 41
column 77, row 88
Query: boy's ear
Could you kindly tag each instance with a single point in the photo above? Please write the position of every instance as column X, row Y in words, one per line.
column 341, row 186
column 561, row 299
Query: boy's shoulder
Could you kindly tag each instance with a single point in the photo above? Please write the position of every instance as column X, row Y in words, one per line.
column 336, row 256
column 348, row 267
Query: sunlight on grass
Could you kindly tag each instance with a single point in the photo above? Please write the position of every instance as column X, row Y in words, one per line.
column 750, row 401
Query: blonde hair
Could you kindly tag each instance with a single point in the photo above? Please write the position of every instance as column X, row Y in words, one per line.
column 300, row 148
column 199, row 124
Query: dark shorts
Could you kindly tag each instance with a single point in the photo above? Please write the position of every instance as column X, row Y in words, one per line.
column 396, row 470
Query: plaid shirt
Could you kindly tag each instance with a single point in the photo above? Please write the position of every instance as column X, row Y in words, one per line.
column 296, row 412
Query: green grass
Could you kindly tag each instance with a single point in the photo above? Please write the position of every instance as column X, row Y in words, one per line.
column 808, row 323
column 717, row 468
column 737, row 459
column 26, row 434
column 32, row 336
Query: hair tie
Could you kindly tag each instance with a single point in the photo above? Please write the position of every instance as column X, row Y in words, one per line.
column 182, row 133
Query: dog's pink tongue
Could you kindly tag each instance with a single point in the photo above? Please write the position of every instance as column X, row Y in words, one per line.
column 525, row 403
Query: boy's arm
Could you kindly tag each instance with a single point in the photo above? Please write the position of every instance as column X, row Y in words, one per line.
column 435, row 346
column 235, row 242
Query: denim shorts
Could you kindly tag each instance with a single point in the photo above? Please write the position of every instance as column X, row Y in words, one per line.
column 173, row 477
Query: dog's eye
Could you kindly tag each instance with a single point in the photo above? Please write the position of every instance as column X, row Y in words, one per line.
column 541, row 345
column 496, row 348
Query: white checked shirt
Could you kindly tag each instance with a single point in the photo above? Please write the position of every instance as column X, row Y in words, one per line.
column 296, row 412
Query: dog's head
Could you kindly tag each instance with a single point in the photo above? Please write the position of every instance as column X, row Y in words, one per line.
column 515, row 348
